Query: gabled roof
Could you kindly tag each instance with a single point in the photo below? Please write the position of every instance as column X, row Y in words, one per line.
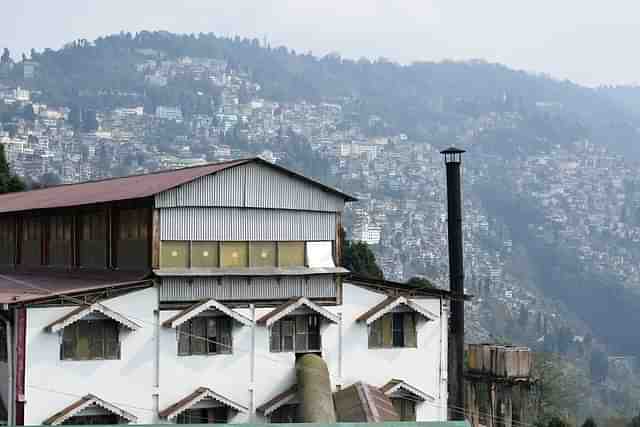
column 80, row 405
column 397, row 288
column 401, row 389
column 291, row 306
column 127, row 188
column 85, row 310
column 200, row 394
column 390, row 303
column 362, row 403
column 287, row 397
column 203, row 306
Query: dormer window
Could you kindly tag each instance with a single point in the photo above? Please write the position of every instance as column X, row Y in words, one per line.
column 91, row 339
column 91, row 332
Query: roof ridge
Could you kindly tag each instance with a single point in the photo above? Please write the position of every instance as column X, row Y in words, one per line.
column 113, row 178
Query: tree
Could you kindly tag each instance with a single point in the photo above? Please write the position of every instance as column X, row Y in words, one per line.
column 635, row 421
column 420, row 283
column 358, row 258
column 8, row 183
column 589, row 422
column 6, row 56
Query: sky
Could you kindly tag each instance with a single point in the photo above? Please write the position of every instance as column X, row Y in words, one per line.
column 591, row 42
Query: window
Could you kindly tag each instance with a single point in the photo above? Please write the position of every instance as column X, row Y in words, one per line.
column 286, row 414
column 80, row 420
column 3, row 343
column 59, row 240
column 406, row 409
column 296, row 333
column 205, row 335
column 217, row 415
column 320, row 255
column 94, row 339
column 291, row 254
column 263, row 254
column 134, row 224
column 174, row 254
column 234, row 254
column 393, row 330
column 204, row 254
column 94, row 226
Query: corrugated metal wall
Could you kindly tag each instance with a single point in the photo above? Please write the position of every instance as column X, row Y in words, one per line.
column 202, row 224
column 242, row 288
column 252, row 185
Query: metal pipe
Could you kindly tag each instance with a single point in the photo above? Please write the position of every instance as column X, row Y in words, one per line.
column 10, row 390
column 156, row 382
column 252, row 370
column 456, row 281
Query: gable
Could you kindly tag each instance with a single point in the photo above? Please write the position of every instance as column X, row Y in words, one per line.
column 254, row 185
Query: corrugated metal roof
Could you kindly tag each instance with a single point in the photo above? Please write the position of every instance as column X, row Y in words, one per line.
column 18, row 286
column 361, row 402
column 126, row 188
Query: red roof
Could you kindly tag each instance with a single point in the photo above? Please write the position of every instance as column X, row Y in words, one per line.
column 128, row 188
column 114, row 189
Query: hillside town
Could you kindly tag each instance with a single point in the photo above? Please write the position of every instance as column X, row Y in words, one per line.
column 398, row 181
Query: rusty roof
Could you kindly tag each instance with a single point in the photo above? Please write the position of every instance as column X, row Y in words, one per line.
column 128, row 188
column 363, row 403
column 108, row 190
column 19, row 286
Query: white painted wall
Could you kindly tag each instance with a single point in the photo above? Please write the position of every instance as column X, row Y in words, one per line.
column 52, row 384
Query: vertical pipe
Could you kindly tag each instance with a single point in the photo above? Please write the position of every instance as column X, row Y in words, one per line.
column 10, row 389
column 252, row 371
column 156, row 380
column 339, row 351
column 456, row 281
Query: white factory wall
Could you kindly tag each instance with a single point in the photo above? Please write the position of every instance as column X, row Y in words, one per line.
column 53, row 384
column 128, row 383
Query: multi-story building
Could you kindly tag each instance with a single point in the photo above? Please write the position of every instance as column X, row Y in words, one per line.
column 187, row 296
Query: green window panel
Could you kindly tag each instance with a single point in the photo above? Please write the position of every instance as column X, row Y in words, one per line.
column 291, row 254
column 174, row 254
column 263, row 254
column 234, row 254
column 204, row 254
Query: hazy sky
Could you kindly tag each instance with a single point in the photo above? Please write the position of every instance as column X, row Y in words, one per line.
column 589, row 41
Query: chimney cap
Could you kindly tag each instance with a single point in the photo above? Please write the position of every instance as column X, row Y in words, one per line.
column 452, row 150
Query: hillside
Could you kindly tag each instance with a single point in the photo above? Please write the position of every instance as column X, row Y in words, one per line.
column 552, row 203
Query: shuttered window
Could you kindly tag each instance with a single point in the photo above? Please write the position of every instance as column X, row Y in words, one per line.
column 31, row 247
column 96, row 420
column 393, row 330
column 60, row 240
column 406, row 409
column 206, row 335
column 7, row 241
column 291, row 254
column 299, row 333
column 286, row 414
column 133, row 224
column 91, row 340
column 216, row 415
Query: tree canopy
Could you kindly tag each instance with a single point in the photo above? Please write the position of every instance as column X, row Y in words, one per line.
column 9, row 183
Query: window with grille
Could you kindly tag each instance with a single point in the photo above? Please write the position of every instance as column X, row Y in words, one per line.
column 393, row 330
column 92, row 339
column 205, row 335
column 286, row 414
column 300, row 333
column 87, row 420
column 216, row 415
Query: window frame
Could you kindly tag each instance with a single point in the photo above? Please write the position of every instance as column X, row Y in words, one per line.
column 71, row 334
column 394, row 326
column 312, row 328
column 208, row 415
column 198, row 330
column 405, row 404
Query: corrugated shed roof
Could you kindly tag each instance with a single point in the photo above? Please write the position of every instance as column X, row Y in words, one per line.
column 127, row 188
column 18, row 286
column 115, row 189
column 363, row 403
